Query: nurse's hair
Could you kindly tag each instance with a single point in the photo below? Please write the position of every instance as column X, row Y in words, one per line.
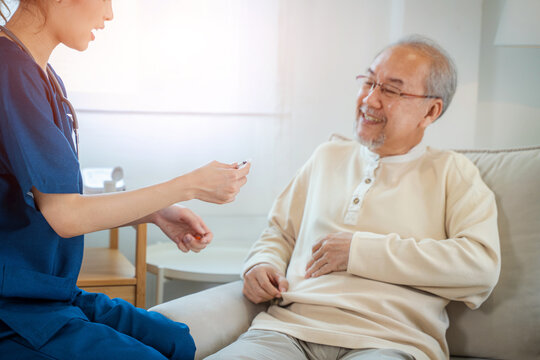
column 5, row 12
column 3, row 9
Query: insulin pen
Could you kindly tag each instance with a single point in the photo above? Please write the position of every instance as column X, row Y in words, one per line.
column 240, row 165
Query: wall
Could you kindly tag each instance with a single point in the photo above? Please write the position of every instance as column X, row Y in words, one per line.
column 508, row 96
column 317, row 47
column 322, row 46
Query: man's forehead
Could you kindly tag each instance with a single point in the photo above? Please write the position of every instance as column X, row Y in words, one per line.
column 390, row 79
column 400, row 65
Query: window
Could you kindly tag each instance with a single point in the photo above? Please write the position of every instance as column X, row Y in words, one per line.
column 179, row 56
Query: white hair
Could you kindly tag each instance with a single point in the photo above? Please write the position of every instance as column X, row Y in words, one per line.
column 442, row 78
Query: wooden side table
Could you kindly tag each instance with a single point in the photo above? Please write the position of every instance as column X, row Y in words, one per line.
column 108, row 271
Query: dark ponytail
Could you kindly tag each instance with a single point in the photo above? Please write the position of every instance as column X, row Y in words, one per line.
column 39, row 7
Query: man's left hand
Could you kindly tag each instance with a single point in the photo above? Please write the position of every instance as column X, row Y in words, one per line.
column 330, row 254
column 184, row 227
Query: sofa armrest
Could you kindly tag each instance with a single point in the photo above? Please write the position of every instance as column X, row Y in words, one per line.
column 216, row 317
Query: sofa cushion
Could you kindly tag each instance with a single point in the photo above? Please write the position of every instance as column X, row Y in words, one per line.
column 507, row 325
column 216, row 316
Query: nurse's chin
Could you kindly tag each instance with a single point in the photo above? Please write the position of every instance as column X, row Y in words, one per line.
column 79, row 47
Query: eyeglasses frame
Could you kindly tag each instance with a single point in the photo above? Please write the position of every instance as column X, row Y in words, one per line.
column 400, row 93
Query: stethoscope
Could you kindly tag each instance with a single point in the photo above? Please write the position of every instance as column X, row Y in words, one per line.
column 56, row 84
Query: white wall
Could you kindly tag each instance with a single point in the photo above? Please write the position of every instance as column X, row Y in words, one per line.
column 508, row 96
column 320, row 46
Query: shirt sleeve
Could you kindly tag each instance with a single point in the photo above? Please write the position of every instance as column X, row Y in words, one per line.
column 276, row 243
column 464, row 267
column 34, row 147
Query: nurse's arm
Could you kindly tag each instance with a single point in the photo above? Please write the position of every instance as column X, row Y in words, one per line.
column 74, row 214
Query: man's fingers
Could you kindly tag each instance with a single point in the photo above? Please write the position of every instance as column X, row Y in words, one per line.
column 250, row 294
column 318, row 245
column 263, row 283
column 323, row 270
column 310, row 264
column 319, row 253
column 282, row 284
column 254, row 291
column 317, row 264
column 266, row 285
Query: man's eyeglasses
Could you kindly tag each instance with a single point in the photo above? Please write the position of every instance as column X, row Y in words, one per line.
column 368, row 84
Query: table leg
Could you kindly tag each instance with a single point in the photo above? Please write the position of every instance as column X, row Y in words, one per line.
column 160, row 279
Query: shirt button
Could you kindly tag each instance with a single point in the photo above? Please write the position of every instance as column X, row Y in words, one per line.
column 356, row 201
column 367, row 181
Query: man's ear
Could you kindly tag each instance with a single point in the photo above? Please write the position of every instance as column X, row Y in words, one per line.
column 433, row 112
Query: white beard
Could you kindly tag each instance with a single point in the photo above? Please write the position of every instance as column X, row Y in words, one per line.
column 370, row 144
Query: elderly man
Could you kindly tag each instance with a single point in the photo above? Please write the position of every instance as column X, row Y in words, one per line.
column 372, row 238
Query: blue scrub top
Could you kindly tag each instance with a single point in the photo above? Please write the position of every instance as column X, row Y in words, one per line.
column 38, row 268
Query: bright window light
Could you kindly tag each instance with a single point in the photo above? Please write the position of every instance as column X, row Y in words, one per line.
column 179, row 56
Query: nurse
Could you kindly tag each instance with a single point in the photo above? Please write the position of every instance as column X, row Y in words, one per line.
column 43, row 216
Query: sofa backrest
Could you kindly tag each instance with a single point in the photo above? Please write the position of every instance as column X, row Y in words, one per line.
column 507, row 325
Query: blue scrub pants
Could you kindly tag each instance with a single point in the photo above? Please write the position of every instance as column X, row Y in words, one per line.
column 114, row 330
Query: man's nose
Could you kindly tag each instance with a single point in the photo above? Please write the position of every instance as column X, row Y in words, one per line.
column 373, row 97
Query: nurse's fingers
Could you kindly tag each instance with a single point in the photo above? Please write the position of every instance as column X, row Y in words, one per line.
column 181, row 246
column 207, row 238
column 243, row 171
column 195, row 244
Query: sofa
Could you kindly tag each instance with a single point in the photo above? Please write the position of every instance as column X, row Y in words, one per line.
column 506, row 326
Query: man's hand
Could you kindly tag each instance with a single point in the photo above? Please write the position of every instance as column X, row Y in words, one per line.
column 330, row 254
column 264, row 282
column 184, row 227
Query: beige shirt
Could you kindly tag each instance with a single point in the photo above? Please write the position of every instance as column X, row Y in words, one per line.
column 425, row 232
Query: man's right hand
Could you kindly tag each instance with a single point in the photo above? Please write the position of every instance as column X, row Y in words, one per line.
column 264, row 282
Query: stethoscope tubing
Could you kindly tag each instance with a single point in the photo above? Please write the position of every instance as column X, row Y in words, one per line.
column 56, row 84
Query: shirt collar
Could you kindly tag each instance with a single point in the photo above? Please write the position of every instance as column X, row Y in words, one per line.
column 413, row 154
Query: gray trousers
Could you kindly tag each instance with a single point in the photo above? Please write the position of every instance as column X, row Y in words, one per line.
column 272, row 345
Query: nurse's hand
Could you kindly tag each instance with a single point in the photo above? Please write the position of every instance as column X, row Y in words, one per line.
column 218, row 182
column 184, row 227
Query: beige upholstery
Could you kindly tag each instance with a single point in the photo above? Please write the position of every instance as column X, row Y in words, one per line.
column 216, row 317
column 507, row 326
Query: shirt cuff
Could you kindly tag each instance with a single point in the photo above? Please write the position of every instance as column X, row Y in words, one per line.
column 364, row 250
